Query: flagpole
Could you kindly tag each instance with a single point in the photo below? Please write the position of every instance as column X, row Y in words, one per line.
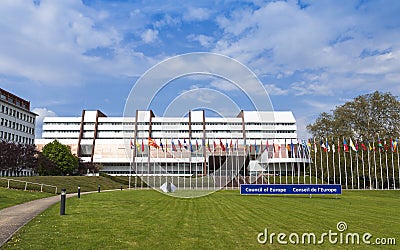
column 327, row 158
column 303, row 145
column 315, row 161
column 340, row 170
column 351, row 166
column 387, row 167
column 398, row 160
column 273, row 143
column 130, row 169
column 287, row 156
column 393, row 172
column 226, row 165
column 322, row 169
column 279, row 162
column 362, row 161
column 345, row 165
column 232, row 165
column 376, row 177
column 333, row 160
column 380, row 163
column 369, row 165
column 358, row 174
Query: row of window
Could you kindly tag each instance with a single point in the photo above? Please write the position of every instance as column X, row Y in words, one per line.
column 15, row 113
column 171, row 123
column 178, row 131
column 16, row 138
column 11, row 100
column 16, row 126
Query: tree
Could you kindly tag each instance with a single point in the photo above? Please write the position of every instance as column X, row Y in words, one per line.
column 366, row 116
column 61, row 155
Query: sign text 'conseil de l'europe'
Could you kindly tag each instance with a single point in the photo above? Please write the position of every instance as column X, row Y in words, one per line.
column 290, row 189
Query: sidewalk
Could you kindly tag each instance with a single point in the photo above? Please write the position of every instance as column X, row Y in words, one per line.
column 15, row 217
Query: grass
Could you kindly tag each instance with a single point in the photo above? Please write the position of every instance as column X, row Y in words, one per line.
column 146, row 219
column 71, row 183
column 10, row 197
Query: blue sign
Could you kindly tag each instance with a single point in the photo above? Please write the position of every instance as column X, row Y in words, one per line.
column 290, row 189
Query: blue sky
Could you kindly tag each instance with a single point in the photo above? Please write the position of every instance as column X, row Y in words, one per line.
column 65, row 56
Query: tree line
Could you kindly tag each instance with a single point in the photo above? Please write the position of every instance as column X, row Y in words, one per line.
column 55, row 159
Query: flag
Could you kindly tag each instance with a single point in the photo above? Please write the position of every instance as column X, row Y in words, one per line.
column 226, row 145
column 356, row 145
column 142, row 146
column 152, row 143
column 191, row 147
column 255, row 147
column 363, row 146
column 197, row 145
column 338, row 145
column 221, row 145
column 395, row 142
column 173, row 146
column 131, row 144
column 333, row 147
column 291, row 148
column 236, row 144
column 287, row 146
column 180, row 145
column 161, row 145
column 380, row 146
column 231, row 145
column 309, row 144
column 185, row 144
column 315, row 146
column 328, row 148
column 137, row 145
column 323, row 146
column 352, row 145
column 208, row 145
column 345, row 146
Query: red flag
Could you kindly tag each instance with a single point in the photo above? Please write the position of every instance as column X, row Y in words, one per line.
column 180, row 145
column 363, row 146
column 142, row 146
column 215, row 145
column 222, row 145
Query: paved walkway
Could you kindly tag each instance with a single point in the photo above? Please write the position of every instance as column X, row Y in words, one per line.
column 15, row 217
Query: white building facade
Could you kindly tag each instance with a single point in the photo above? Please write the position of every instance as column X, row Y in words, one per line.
column 194, row 145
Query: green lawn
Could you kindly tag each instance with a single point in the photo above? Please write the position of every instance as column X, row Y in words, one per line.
column 146, row 219
column 10, row 197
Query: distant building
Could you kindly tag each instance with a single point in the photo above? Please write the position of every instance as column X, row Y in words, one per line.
column 17, row 122
column 193, row 145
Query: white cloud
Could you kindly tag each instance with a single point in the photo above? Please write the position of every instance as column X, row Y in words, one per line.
column 205, row 41
column 280, row 38
column 42, row 113
column 223, row 85
column 47, row 44
column 196, row 14
column 272, row 89
column 149, row 35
